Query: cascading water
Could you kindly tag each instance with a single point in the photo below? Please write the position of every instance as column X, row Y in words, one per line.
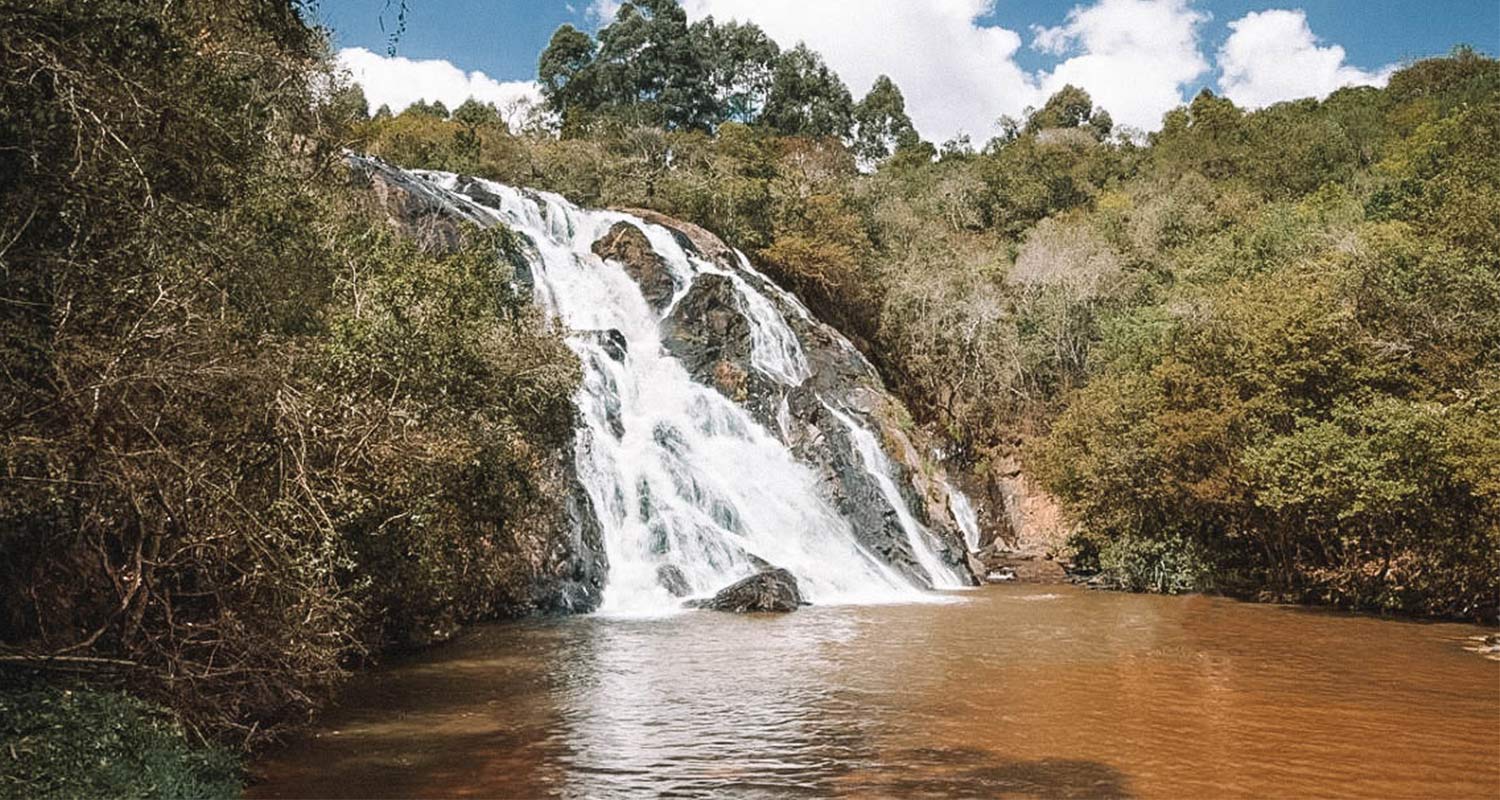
column 917, row 537
column 963, row 514
column 681, row 477
column 692, row 490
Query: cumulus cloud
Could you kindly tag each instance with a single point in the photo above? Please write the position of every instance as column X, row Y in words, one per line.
column 1134, row 57
column 603, row 12
column 399, row 82
column 957, row 73
column 1272, row 56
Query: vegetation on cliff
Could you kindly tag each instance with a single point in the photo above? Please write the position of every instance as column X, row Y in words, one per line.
column 248, row 432
column 1253, row 352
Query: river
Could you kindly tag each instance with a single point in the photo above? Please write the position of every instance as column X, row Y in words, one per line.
column 1006, row 691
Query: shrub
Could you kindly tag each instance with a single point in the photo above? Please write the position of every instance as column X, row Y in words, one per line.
column 68, row 743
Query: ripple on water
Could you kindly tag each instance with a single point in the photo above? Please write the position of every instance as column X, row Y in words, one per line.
column 1064, row 693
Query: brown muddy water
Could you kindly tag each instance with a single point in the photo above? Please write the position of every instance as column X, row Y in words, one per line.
column 1014, row 691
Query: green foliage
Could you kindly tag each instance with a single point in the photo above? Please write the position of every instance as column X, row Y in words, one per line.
column 649, row 67
column 248, row 433
column 567, row 82
column 1071, row 107
column 65, row 743
column 881, row 124
column 807, row 98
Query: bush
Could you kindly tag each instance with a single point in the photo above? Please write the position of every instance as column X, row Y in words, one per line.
column 69, row 743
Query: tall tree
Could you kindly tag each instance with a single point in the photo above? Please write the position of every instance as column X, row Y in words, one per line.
column 882, row 126
column 565, row 73
column 649, row 67
column 807, row 98
column 741, row 60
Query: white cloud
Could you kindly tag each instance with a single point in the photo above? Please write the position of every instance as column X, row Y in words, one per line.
column 1273, row 56
column 957, row 74
column 399, row 82
column 1134, row 57
column 603, row 11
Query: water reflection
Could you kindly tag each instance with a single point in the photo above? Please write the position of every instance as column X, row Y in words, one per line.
column 1014, row 693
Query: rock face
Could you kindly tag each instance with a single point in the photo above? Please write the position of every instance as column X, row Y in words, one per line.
column 671, row 578
column 773, row 589
column 626, row 244
column 709, row 333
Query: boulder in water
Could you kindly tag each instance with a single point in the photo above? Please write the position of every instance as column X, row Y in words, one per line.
column 671, row 578
column 768, row 590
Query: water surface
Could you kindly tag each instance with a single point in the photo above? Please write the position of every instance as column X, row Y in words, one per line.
column 1019, row 691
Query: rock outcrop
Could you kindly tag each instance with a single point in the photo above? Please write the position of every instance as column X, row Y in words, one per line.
column 710, row 334
column 628, row 246
column 772, row 589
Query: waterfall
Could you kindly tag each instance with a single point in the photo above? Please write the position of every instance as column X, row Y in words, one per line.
column 963, row 514
column 681, row 477
column 917, row 537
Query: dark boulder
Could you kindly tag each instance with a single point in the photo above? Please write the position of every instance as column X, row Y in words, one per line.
column 671, row 578
column 611, row 341
column 769, row 590
column 711, row 337
column 627, row 245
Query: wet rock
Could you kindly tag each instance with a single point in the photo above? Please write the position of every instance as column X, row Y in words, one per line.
column 627, row 245
column 976, row 566
column 1001, row 575
column 1024, row 566
column 711, row 337
column 693, row 238
column 706, row 328
column 671, row 578
column 768, row 590
column 611, row 341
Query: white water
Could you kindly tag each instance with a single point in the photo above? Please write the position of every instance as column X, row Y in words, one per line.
column 693, row 481
column 963, row 514
column 917, row 536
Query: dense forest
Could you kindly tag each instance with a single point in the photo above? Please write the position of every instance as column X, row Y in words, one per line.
column 250, row 434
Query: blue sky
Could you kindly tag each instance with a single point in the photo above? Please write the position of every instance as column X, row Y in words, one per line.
column 971, row 60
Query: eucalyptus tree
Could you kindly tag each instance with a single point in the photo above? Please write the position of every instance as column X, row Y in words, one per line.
column 882, row 125
column 741, row 61
column 807, row 98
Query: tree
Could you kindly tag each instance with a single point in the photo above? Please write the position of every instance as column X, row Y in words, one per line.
column 564, row 71
column 883, row 127
column 422, row 108
column 1071, row 107
column 650, row 68
column 474, row 114
column 807, row 98
column 741, row 60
